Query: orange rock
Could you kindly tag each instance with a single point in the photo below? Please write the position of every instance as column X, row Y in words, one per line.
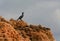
column 19, row 23
column 8, row 32
column 19, row 30
column 22, row 23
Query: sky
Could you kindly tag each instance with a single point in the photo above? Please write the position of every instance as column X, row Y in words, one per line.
column 44, row 12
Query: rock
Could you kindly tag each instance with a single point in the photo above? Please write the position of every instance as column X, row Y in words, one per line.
column 19, row 30
column 7, row 32
column 36, row 33
column 19, row 23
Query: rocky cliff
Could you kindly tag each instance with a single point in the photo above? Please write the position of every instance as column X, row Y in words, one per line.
column 14, row 30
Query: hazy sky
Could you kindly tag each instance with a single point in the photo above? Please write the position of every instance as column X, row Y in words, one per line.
column 44, row 12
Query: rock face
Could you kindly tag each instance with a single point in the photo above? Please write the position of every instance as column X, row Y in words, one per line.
column 14, row 30
column 7, row 32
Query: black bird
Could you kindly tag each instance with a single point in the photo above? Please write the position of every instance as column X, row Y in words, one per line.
column 21, row 16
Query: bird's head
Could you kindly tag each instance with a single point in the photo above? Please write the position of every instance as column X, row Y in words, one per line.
column 22, row 13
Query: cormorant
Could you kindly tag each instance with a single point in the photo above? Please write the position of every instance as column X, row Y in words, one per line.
column 21, row 16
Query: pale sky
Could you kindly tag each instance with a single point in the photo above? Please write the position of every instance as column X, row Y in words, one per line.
column 44, row 12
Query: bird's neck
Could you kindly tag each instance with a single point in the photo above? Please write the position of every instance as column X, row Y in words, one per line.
column 22, row 14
